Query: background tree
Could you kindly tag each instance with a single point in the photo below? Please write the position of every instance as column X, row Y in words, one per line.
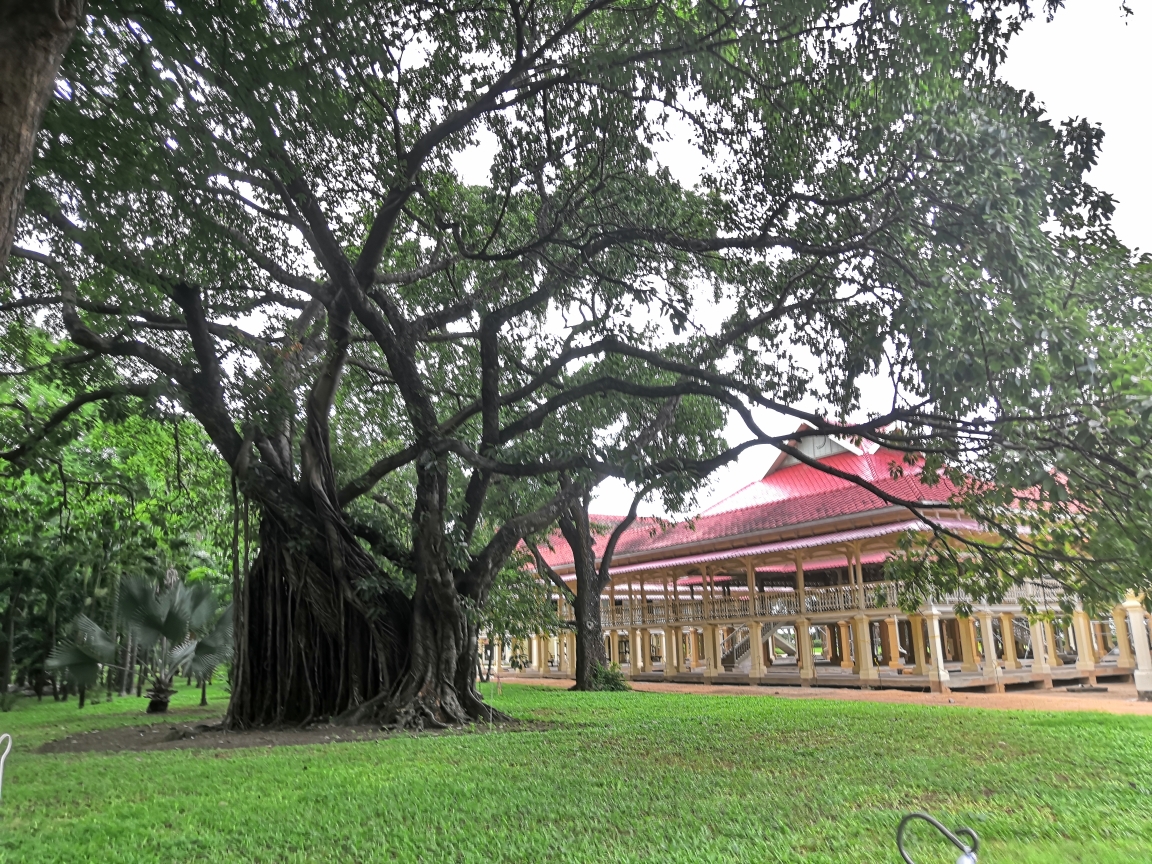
column 33, row 37
column 105, row 493
column 268, row 242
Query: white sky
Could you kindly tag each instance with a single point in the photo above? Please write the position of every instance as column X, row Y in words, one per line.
column 1090, row 61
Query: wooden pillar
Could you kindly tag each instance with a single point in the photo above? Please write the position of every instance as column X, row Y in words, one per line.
column 755, row 651
column 919, row 655
column 671, row 650
column 1124, row 659
column 801, row 597
column 894, row 661
column 988, row 640
column 1008, row 637
column 804, row 658
column 1082, row 629
column 937, row 671
column 768, row 644
column 1050, row 643
column 1039, row 648
column 1102, row 646
column 864, row 666
column 1142, row 674
column 968, row 660
column 711, row 661
column 845, row 646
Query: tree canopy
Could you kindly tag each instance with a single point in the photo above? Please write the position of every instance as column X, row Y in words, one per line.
column 255, row 212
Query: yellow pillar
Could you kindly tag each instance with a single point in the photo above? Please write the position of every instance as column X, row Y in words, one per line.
column 1050, row 643
column 988, row 640
column 845, row 646
column 968, row 662
column 1039, row 647
column 1008, row 637
column 1124, row 659
column 804, row 659
column 755, row 651
column 894, row 661
column 1102, row 646
column 864, row 667
column 1142, row 674
column 1082, row 629
column 671, row 650
column 711, row 661
column 919, row 655
column 937, row 671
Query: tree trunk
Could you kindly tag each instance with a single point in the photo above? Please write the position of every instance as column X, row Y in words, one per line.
column 83, row 692
column 33, row 37
column 311, row 648
column 9, row 642
column 327, row 636
column 203, row 692
column 589, row 634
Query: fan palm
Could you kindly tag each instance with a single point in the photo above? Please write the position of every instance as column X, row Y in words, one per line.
column 177, row 625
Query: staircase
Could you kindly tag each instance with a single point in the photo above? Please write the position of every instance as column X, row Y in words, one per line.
column 735, row 647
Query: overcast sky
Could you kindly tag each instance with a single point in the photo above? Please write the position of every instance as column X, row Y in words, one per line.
column 1090, row 61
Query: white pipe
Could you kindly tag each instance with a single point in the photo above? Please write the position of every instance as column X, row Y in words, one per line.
column 4, row 756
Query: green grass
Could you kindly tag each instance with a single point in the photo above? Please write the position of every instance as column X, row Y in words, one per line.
column 611, row 777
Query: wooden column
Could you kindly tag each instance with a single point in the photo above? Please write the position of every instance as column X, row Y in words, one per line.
column 1138, row 627
column 845, row 646
column 988, row 640
column 1102, row 646
column 864, row 666
column 1082, row 628
column 711, row 661
column 1039, row 648
column 919, row 655
column 804, row 659
column 1124, row 660
column 969, row 657
column 1050, row 643
column 937, row 672
column 1008, row 637
column 893, row 639
column 755, row 643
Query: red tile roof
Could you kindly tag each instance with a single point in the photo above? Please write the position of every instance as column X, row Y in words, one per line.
column 786, row 497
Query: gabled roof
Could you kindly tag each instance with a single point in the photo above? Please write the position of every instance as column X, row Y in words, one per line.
column 788, row 495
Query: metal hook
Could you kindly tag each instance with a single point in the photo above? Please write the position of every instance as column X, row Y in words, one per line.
column 4, row 756
column 967, row 853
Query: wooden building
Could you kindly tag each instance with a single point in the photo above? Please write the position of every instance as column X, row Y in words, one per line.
column 783, row 583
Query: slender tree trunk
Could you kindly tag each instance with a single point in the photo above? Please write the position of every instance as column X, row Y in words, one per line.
column 203, row 692
column 9, row 642
column 83, row 692
column 129, row 663
column 33, row 37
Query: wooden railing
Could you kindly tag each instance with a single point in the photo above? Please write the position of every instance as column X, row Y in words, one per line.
column 878, row 596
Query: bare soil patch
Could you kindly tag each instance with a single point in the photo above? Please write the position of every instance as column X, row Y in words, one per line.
column 205, row 736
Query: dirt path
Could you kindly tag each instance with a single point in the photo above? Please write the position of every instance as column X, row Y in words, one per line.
column 1119, row 699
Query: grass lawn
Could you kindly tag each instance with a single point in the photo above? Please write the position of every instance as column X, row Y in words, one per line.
column 610, row 777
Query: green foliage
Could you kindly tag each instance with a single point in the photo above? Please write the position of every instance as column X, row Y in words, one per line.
column 82, row 656
column 609, row 678
column 597, row 777
column 176, row 624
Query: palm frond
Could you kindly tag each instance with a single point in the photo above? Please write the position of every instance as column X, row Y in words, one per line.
column 214, row 648
column 82, row 656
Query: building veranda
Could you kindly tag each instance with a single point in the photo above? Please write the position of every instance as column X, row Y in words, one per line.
column 783, row 583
